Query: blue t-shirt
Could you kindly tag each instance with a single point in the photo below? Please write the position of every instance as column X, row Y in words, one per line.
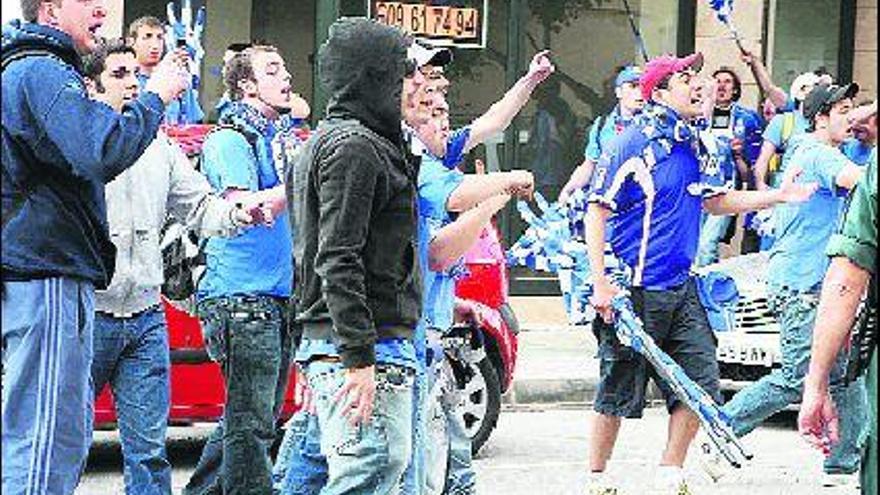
column 655, row 225
column 857, row 151
column 259, row 261
column 802, row 230
column 174, row 111
column 612, row 125
column 436, row 184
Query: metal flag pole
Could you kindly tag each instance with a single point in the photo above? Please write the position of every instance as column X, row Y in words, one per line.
column 635, row 30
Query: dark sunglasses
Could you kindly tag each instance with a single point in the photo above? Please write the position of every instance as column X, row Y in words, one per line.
column 409, row 68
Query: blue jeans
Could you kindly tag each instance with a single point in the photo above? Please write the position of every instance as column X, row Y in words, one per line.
column 460, row 476
column 711, row 233
column 47, row 393
column 796, row 313
column 368, row 459
column 249, row 337
column 131, row 354
column 300, row 468
column 414, row 478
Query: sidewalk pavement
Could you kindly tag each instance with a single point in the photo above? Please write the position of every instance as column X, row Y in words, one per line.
column 557, row 363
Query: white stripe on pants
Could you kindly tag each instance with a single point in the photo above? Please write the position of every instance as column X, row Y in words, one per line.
column 47, row 397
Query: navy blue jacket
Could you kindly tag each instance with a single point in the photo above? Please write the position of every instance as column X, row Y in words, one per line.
column 59, row 148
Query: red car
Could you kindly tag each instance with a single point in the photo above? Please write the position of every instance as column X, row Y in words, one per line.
column 197, row 391
column 494, row 329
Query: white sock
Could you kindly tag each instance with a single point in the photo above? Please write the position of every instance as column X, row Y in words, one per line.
column 597, row 477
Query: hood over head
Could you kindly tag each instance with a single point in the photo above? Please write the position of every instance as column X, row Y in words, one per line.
column 20, row 37
column 362, row 65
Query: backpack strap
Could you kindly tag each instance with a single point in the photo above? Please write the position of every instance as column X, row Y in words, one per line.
column 25, row 50
column 787, row 127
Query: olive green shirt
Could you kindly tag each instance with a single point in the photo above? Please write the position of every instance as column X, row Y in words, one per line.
column 857, row 241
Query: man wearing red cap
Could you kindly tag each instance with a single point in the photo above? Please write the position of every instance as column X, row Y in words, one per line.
column 649, row 188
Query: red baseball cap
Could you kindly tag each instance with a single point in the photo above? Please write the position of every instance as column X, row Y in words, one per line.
column 658, row 68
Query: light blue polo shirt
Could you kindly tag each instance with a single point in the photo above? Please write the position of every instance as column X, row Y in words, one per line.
column 773, row 132
column 612, row 125
column 259, row 261
column 802, row 230
column 437, row 182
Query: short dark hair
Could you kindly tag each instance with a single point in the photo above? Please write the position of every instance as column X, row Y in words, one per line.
column 95, row 62
column 241, row 68
column 238, row 47
column 30, row 8
column 737, row 82
column 140, row 22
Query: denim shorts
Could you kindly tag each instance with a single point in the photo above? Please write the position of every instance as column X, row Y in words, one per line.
column 677, row 322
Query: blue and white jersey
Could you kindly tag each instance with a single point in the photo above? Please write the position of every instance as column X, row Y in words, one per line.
column 653, row 177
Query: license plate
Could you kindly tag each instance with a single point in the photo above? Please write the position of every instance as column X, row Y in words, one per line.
column 745, row 354
column 429, row 21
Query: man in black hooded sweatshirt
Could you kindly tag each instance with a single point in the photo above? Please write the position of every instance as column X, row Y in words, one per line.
column 352, row 198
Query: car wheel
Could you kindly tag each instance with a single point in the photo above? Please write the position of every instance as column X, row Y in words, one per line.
column 481, row 405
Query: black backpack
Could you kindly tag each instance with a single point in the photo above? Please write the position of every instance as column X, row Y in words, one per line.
column 183, row 266
column 863, row 343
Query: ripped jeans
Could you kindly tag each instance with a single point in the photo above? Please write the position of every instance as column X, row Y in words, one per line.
column 796, row 313
column 368, row 459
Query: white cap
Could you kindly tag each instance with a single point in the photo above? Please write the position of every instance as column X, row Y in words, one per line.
column 424, row 54
column 799, row 84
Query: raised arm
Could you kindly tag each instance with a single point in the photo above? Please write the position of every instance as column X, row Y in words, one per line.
column 501, row 113
column 777, row 95
column 97, row 142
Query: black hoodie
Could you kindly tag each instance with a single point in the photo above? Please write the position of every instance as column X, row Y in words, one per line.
column 353, row 200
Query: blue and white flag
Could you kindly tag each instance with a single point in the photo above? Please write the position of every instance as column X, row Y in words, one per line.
column 723, row 9
column 550, row 245
column 191, row 31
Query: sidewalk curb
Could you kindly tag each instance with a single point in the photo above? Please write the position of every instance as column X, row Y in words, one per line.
column 554, row 391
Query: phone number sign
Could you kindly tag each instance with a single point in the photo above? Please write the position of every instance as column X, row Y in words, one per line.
column 442, row 22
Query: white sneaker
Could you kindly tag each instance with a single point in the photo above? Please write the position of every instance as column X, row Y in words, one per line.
column 840, row 480
column 670, row 481
column 711, row 460
column 599, row 484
